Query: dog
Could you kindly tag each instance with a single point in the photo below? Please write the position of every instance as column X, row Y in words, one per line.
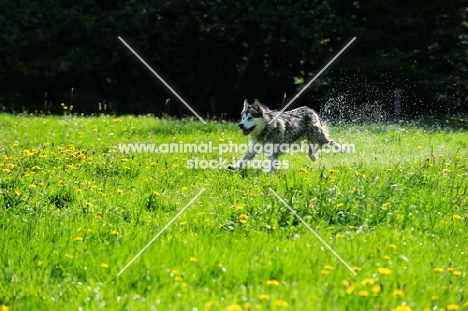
column 266, row 129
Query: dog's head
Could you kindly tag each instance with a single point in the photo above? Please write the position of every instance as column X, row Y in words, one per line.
column 252, row 117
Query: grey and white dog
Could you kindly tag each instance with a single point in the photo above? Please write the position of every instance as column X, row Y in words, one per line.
column 284, row 130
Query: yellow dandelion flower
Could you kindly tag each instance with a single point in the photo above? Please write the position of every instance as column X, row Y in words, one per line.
column 78, row 238
column 324, row 272
column 193, row 259
column 450, row 269
column 457, row 273
column 392, row 246
column 209, row 303
column 183, row 223
column 398, row 293
column 345, row 283
column 243, row 218
column 453, row 307
column 439, row 269
column 239, row 207
column 247, row 305
column 385, row 271
column 331, row 171
column 104, row 265
column 264, row 297
column 156, row 193
column 89, row 204
column 184, row 188
column 338, row 236
column 356, row 268
column 32, row 186
column 281, row 303
column 114, row 232
column 368, row 282
column 272, row 282
column 363, row 293
column 351, row 289
column 386, row 257
column 120, row 192
column 434, row 297
column 465, row 305
column 403, row 308
column 40, row 263
column 386, row 205
column 339, row 204
column 4, row 308
column 174, row 272
column 328, row 267
column 178, row 278
column 234, row 308
column 376, row 289
column 457, row 217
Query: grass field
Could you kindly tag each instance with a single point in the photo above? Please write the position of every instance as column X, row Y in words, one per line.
column 74, row 211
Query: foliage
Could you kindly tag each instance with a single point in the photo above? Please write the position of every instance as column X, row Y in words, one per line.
column 221, row 52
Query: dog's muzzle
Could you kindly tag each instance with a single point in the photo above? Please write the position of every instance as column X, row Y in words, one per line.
column 246, row 131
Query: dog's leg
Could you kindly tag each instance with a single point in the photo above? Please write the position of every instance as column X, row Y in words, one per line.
column 274, row 163
column 313, row 152
column 249, row 155
column 319, row 134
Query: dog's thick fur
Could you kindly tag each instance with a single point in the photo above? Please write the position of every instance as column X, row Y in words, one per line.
column 287, row 128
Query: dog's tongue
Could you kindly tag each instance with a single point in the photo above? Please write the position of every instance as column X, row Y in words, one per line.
column 246, row 131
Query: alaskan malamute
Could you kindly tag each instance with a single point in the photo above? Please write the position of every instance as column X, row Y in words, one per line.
column 276, row 134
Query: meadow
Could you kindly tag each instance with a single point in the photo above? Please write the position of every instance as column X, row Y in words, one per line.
column 74, row 211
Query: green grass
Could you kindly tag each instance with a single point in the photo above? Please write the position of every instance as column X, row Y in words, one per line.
column 74, row 212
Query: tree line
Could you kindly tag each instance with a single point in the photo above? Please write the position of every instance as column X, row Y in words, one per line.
column 217, row 53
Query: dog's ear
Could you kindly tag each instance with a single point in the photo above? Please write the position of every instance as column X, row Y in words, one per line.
column 258, row 106
column 246, row 104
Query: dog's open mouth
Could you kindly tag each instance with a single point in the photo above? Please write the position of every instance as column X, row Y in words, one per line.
column 247, row 131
